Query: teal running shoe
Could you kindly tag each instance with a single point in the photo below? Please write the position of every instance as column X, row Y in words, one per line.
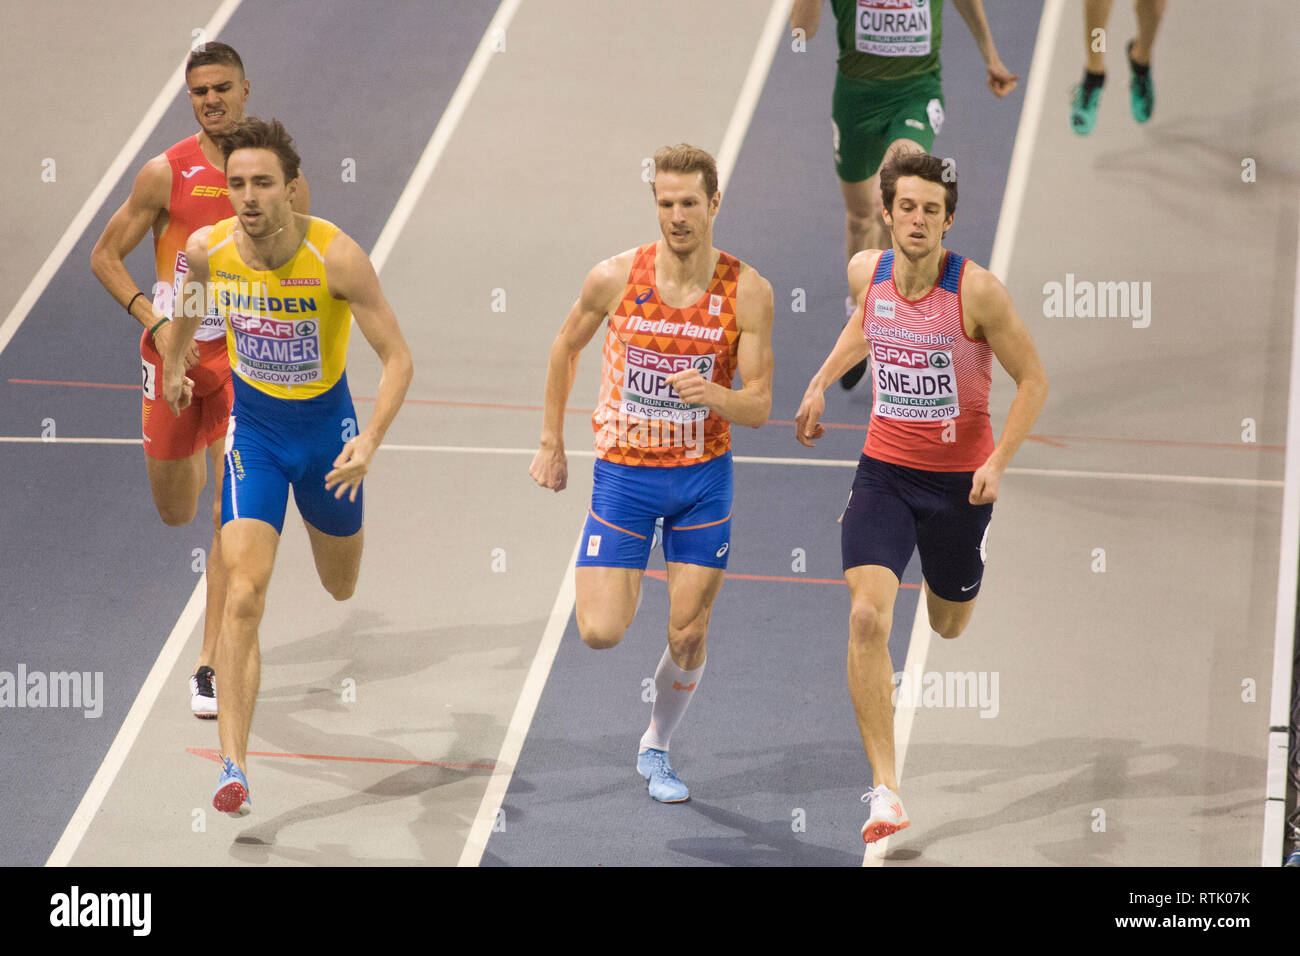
column 1083, row 108
column 1141, row 91
column 231, row 795
column 661, row 780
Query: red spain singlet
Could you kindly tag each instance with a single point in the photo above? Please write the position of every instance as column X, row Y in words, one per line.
column 199, row 198
column 930, row 380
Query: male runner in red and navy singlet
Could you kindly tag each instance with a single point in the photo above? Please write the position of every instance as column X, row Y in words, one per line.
column 684, row 318
column 177, row 192
column 931, row 321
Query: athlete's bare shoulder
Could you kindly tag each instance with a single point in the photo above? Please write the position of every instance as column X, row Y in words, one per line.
column 981, row 289
column 861, row 268
column 606, row 281
column 153, row 184
column 754, row 303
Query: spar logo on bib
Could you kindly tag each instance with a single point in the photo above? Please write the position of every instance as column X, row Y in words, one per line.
column 646, row 392
column 914, row 384
column 893, row 27
column 276, row 351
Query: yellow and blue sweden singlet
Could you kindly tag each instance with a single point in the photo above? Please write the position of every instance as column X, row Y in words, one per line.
column 287, row 338
column 285, row 334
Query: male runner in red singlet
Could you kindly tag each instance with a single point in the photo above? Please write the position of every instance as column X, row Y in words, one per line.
column 176, row 193
column 931, row 321
column 684, row 318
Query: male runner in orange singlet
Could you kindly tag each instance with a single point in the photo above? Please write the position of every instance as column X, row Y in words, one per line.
column 683, row 318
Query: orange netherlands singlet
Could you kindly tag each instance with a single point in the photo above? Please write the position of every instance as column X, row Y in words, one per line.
column 199, row 198
column 640, row 419
column 930, row 407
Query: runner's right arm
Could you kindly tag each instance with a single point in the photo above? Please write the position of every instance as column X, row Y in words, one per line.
column 850, row 349
column 604, row 282
column 129, row 225
column 806, row 15
column 177, row 387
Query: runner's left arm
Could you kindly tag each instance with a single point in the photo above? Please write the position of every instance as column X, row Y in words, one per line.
column 351, row 276
column 187, row 313
column 1007, row 335
column 751, row 404
column 1001, row 80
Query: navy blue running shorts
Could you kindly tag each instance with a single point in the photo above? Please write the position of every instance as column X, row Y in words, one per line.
column 893, row 509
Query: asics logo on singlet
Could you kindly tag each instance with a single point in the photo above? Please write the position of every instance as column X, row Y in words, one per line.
column 644, row 296
column 191, row 171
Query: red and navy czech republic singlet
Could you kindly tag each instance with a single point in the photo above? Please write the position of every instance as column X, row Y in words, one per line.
column 930, row 380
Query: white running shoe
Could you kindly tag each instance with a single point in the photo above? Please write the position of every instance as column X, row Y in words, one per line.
column 887, row 814
column 203, row 693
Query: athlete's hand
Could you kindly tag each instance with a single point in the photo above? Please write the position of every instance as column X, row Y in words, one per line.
column 351, row 466
column 691, row 386
column 550, row 468
column 984, row 484
column 163, row 336
column 178, row 392
column 1001, row 80
column 806, row 426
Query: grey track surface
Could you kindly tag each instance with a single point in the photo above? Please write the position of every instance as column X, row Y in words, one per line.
column 107, row 581
column 770, row 739
column 1119, row 691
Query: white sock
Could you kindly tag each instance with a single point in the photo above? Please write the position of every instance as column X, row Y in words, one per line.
column 674, row 689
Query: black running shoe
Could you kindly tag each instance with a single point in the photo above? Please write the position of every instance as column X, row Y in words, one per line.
column 853, row 376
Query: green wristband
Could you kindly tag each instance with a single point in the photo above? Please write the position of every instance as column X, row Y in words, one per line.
column 161, row 323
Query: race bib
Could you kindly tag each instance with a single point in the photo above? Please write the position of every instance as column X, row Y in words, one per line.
column 893, row 27
column 150, row 374
column 646, row 392
column 914, row 384
column 277, row 351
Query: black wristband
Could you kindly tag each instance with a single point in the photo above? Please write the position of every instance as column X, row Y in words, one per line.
column 132, row 302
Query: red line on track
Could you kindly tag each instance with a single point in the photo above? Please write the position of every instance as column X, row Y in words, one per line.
column 37, row 381
column 216, row 755
column 1057, row 441
column 663, row 576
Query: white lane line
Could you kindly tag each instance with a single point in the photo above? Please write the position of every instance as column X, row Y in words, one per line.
column 918, row 648
column 1004, row 240
column 442, row 134
column 1288, row 565
column 535, row 683
column 130, row 729
column 54, row 261
column 90, row 803
column 37, row 440
column 526, row 706
column 747, row 101
column 190, row 616
column 1013, row 197
column 741, row 459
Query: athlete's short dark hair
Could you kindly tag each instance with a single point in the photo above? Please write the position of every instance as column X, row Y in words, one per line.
column 253, row 133
column 930, row 168
column 685, row 158
column 213, row 54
